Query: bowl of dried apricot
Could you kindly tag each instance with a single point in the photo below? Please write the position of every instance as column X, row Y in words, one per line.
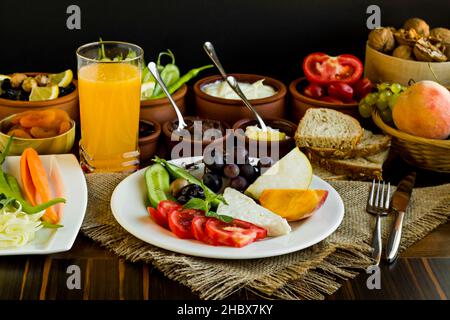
column 49, row 131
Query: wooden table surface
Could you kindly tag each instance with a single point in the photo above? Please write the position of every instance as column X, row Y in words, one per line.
column 422, row 271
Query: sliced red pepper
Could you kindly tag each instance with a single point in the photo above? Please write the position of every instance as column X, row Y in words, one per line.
column 323, row 69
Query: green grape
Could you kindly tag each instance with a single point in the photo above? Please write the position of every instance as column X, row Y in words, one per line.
column 383, row 86
column 382, row 100
column 365, row 110
column 392, row 100
column 396, row 88
column 386, row 115
column 371, row 99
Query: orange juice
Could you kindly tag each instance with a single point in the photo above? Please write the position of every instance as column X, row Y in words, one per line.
column 109, row 111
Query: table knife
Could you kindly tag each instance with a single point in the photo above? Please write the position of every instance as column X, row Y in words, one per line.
column 399, row 203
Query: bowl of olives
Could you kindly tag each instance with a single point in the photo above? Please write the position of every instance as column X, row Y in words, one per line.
column 15, row 92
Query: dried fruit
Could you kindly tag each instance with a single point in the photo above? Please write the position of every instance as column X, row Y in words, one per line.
column 425, row 51
column 42, row 80
column 28, row 84
column 407, row 37
column 403, row 52
column 19, row 133
column 17, row 79
column 38, row 132
column 419, row 25
column 382, row 39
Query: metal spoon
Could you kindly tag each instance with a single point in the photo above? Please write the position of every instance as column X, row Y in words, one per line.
column 154, row 71
column 209, row 48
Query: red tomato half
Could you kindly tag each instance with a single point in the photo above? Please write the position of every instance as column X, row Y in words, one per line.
column 323, row 69
column 238, row 233
column 163, row 209
column 199, row 230
column 180, row 222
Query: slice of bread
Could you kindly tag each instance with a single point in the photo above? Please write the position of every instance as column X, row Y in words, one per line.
column 327, row 128
column 358, row 168
column 370, row 144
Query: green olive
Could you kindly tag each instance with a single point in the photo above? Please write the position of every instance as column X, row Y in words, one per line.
column 177, row 185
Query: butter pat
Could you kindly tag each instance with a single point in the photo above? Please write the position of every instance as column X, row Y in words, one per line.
column 256, row 133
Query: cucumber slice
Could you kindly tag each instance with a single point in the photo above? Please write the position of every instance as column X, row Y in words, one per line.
column 157, row 180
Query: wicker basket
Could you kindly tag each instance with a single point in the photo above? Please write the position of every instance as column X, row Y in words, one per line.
column 424, row 153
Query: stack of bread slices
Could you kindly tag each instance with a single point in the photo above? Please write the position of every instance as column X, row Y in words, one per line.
column 339, row 147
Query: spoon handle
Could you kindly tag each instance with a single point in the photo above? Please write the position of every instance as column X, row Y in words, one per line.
column 209, row 49
column 235, row 86
column 154, row 71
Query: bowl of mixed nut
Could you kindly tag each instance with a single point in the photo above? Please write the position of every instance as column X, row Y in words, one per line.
column 413, row 52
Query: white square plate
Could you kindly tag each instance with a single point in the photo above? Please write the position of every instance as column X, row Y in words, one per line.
column 75, row 192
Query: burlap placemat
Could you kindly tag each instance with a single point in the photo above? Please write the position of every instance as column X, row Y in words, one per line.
column 307, row 274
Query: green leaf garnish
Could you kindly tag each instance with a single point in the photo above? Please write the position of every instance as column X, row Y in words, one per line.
column 221, row 217
column 50, row 225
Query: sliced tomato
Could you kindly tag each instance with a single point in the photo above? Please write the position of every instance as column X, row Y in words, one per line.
column 180, row 222
column 157, row 217
column 322, row 69
column 161, row 212
column 199, row 230
column 238, row 233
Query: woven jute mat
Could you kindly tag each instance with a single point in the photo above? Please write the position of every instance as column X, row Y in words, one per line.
column 307, row 274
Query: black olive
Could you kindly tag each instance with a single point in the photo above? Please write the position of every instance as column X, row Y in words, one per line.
column 6, row 84
column 12, row 94
column 190, row 191
column 64, row 91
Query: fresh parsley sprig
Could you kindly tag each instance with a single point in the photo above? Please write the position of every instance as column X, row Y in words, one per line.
column 205, row 205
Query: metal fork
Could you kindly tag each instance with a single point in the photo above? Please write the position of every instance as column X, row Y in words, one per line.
column 378, row 205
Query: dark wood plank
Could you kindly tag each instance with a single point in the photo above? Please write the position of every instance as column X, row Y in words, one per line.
column 57, row 281
column 103, row 280
column 11, row 277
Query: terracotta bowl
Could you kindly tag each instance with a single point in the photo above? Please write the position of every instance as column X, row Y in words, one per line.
column 161, row 110
column 263, row 148
column 230, row 110
column 301, row 103
column 148, row 144
column 59, row 144
column 187, row 147
column 69, row 103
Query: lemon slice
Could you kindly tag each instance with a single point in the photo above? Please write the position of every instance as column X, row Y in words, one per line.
column 62, row 79
column 44, row 93
column 147, row 90
column 3, row 77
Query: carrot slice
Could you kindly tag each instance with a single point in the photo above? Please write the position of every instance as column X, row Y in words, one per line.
column 28, row 186
column 40, row 182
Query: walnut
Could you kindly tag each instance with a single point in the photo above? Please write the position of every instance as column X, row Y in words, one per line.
column 425, row 51
column 382, row 39
column 440, row 35
column 28, row 84
column 421, row 27
column 42, row 80
column 17, row 79
column 407, row 37
column 403, row 52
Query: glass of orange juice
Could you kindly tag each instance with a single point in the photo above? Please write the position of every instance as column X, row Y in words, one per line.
column 109, row 85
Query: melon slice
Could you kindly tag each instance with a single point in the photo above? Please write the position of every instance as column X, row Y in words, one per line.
column 293, row 205
column 293, row 171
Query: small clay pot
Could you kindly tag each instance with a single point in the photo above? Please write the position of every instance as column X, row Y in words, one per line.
column 161, row 110
column 68, row 103
column 257, row 148
column 230, row 110
column 189, row 147
column 148, row 144
column 301, row 103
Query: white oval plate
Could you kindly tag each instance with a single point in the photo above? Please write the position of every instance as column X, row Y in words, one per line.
column 56, row 240
column 129, row 202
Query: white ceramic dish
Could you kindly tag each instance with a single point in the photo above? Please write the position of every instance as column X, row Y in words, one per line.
column 56, row 240
column 129, row 201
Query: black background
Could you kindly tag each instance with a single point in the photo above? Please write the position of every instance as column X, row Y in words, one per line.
column 253, row 36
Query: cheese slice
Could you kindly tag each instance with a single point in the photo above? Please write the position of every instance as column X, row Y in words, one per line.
column 245, row 208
